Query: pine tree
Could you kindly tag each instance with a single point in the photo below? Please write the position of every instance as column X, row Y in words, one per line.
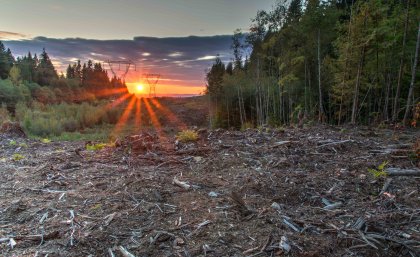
column 45, row 70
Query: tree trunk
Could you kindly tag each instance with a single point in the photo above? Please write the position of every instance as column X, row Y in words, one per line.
column 413, row 78
column 321, row 108
column 400, row 73
column 386, row 103
column 348, row 49
column 357, row 87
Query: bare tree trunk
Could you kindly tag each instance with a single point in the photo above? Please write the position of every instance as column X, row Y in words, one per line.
column 386, row 104
column 345, row 66
column 357, row 87
column 240, row 108
column 309, row 86
column 321, row 107
column 306, row 104
column 413, row 78
column 400, row 73
column 228, row 113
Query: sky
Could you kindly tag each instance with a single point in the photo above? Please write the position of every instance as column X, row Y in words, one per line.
column 177, row 38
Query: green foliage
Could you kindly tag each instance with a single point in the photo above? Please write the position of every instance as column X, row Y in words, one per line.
column 96, row 147
column 346, row 57
column 46, row 140
column 10, row 94
column 17, row 157
column 186, row 136
column 15, row 75
column 380, row 172
column 53, row 120
column 6, row 61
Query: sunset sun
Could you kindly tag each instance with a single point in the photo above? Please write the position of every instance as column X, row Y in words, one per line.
column 139, row 88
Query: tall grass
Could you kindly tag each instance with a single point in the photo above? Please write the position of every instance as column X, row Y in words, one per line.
column 54, row 120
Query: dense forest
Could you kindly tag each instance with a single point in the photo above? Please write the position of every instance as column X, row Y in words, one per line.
column 47, row 103
column 329, row 61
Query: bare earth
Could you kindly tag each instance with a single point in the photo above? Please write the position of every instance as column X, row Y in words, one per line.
column 292, row 192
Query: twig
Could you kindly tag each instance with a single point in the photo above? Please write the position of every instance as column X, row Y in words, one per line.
column 335, row 143
column 333, row 206
column 291, row 225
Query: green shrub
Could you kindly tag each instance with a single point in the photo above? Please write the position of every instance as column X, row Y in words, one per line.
column 380, row 172
column 10, row 94
column 20, row 110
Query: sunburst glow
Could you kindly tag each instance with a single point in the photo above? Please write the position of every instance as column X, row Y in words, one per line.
column 132, row 116
column 139, row 88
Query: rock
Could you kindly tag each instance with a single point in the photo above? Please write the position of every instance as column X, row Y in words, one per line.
column 284, row 244
column 213, row 194
column 276, row 206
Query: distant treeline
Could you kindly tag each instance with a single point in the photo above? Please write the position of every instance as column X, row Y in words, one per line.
column 30, row 78
column 330, row 61
column 48, row 104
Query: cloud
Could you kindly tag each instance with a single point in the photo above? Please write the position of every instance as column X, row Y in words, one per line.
column 5, row 35
column 175, row 54
column 178, row 59
column 207, row 57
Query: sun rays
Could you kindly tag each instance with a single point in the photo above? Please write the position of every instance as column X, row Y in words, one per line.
column 124, row 117
column 138, row 113
column 169, row 114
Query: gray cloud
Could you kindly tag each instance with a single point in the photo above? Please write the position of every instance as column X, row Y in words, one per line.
column 6, row 35
column 177, row 58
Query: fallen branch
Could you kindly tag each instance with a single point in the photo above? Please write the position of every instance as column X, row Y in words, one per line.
column 182, row 184
column 292, row 225
column 402, row 172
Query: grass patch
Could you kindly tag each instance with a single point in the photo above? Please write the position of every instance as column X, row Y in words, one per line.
column 186, row 136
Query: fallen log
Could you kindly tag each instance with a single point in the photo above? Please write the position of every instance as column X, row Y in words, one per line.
column 393, row 172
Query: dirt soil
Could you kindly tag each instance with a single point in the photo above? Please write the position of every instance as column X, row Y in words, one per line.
column 269, row 192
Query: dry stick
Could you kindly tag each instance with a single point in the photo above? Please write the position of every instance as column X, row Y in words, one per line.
column 335, row 143
column 182, row 184
column 125, row 252
column 250, row 250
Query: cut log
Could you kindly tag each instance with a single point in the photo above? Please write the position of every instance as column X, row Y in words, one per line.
column 402, row 172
